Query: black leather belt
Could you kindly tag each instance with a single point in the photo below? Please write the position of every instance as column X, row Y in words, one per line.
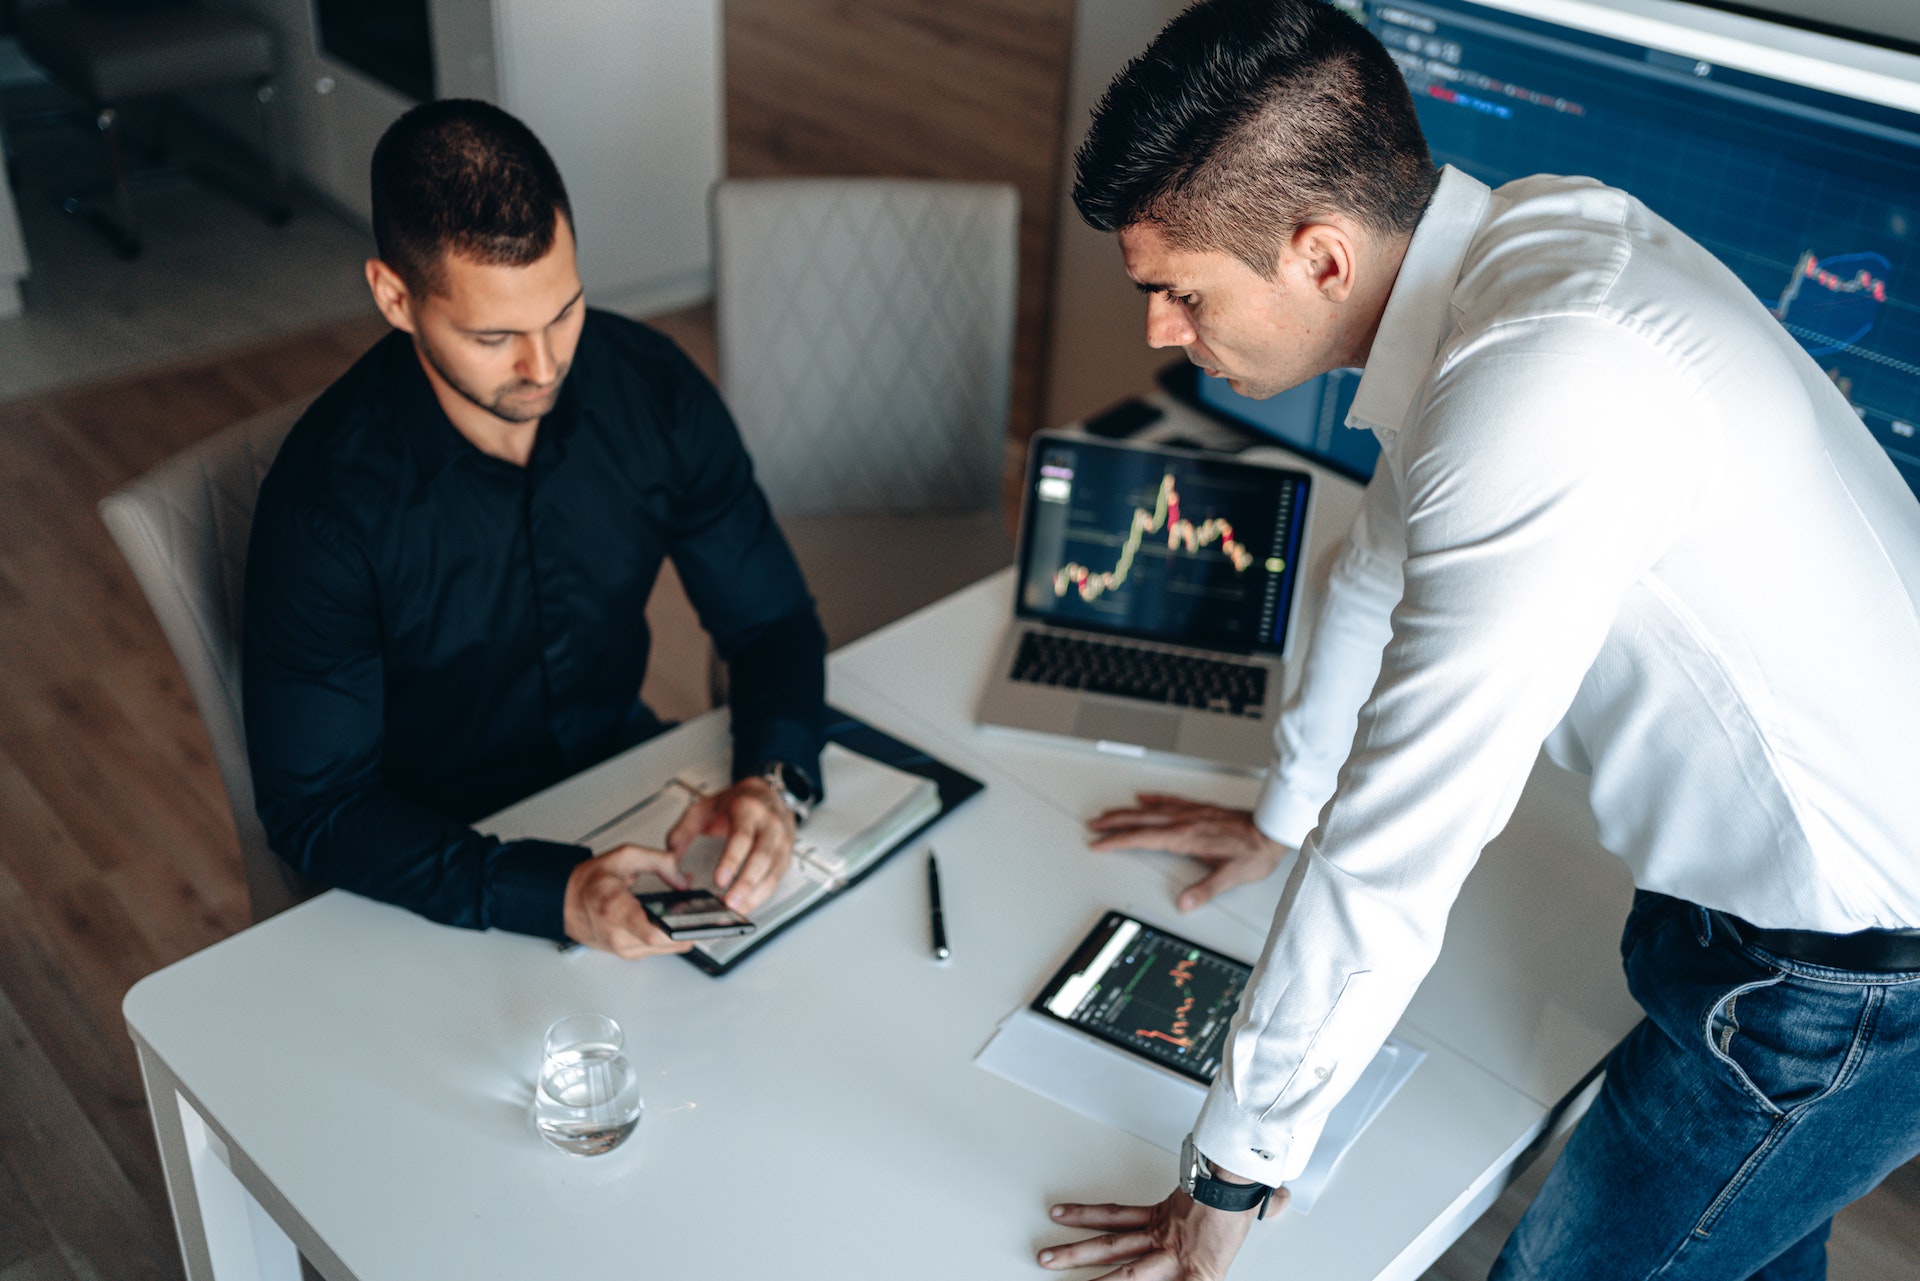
column 1868, row 951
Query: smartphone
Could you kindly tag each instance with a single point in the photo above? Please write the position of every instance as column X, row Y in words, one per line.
column 694, row 914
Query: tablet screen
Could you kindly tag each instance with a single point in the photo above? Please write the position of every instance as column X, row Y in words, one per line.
column 1161, row 996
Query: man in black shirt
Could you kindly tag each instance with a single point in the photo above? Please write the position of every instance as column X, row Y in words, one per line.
column 451, row 560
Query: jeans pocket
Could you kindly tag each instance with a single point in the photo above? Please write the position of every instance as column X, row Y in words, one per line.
column 1788, row 1044
column 1722, row 1030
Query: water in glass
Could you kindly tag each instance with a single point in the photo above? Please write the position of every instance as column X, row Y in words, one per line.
column 588, row 1100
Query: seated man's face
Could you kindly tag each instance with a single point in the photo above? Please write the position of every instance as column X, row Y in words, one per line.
column 503, row 338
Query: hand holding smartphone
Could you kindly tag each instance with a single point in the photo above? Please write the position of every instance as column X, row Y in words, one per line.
column 694, row 914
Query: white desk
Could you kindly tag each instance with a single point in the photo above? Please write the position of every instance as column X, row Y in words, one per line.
column 366, row 1075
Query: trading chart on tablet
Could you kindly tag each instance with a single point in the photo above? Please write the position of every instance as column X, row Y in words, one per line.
column 1155, row 994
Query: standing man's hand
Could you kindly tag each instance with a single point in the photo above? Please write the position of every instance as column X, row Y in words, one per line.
column 759, row 830
column 1226, row 840
column 600, row 908
column 1177, row 1240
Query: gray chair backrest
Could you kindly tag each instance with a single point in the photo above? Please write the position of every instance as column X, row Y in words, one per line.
column 183, row 528
column 865, row 331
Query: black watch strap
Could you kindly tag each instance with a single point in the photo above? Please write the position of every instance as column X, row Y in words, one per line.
column 1222, row 1195
column 1196, row 1177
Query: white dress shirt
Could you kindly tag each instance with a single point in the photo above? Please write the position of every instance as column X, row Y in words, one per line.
column 1618, row 512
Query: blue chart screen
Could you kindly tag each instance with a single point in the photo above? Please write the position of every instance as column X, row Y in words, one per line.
column 1812, row 199
column 1311, row 418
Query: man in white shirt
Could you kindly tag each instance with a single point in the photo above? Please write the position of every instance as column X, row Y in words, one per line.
column 1618, row 512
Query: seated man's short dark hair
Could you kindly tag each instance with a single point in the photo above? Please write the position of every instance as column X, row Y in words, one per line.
column 1247, row 119
column 462, row 177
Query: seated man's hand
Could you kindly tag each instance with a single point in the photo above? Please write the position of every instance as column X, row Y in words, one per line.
column 1177, row 1240
column 759, row 830
column 1224, row 839
column 601, row 910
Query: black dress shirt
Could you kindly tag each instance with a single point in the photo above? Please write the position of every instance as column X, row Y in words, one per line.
column 433, row 633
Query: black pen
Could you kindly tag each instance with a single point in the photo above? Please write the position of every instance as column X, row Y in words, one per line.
column 940, row 950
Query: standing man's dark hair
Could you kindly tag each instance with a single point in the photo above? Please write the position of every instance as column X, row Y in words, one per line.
column 1247, row 119
column 460, row 176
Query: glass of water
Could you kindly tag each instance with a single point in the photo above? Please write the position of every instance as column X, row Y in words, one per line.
column 589, row 1099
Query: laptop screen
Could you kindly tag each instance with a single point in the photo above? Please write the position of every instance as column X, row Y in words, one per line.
column 1160, row 544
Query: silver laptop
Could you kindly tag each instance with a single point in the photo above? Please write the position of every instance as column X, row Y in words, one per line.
column 1158, row 595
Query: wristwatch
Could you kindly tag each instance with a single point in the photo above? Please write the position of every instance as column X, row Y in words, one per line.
column 1197, row 1181
column 790, row 783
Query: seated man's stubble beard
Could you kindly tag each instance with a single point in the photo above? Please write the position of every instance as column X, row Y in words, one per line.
column 518, row 401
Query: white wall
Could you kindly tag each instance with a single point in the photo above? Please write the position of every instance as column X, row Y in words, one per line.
column 626, row 94
column 13, row 255
column 1099, row 353
column 1899, row 18
column 14, row 265
column 330, row 115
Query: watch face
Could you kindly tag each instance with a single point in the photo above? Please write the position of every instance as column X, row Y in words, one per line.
column 797, row 791
column 803, row 788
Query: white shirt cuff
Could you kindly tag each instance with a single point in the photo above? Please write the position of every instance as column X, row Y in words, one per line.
column 1284, row 814
column 1235, row 1141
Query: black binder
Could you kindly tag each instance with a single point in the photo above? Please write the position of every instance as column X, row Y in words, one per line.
column 854, row 734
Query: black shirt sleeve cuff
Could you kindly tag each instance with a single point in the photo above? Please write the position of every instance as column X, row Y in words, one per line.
column 527, row 887
column 794, row 742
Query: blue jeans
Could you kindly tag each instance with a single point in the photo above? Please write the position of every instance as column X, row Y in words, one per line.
column 1759, row 1097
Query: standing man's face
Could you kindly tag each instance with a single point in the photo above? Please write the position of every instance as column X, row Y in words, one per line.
column 1263, row 336
column 495, row 339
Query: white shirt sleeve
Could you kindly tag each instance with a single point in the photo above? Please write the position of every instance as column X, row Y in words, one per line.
column 1532, row 507
column 1315, row 732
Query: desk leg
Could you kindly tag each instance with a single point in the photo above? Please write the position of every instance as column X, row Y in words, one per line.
column 233, row 1225
column 163, row 1104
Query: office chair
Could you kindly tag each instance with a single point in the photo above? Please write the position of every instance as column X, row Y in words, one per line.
column 112, row 52
column 865, row 331
column 183, row 528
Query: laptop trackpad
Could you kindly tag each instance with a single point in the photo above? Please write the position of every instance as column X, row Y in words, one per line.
column 1146, row 727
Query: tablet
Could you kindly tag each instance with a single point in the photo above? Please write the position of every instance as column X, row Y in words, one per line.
column 1162, row 997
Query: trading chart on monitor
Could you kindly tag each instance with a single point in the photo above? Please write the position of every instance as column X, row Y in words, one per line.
column 1811, row 196
column 1162, row 546
column 1157, row 995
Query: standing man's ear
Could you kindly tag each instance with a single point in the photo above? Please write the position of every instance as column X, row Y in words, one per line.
column 1325, row 254
column 390, row 295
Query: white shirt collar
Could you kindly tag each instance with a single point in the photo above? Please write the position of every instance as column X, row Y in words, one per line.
column 1416, row 319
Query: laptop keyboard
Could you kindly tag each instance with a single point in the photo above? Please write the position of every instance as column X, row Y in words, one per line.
column 1151, row 675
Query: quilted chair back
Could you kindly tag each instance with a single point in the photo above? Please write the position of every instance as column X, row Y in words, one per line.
column 865, row 331
column 183, row 528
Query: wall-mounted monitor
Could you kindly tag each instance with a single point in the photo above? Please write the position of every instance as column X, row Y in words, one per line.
column 1792, row 154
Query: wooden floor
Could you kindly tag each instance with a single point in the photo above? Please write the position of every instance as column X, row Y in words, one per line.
column 117, row 855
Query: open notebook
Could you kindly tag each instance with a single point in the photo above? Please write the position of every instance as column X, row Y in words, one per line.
column 869, row 810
